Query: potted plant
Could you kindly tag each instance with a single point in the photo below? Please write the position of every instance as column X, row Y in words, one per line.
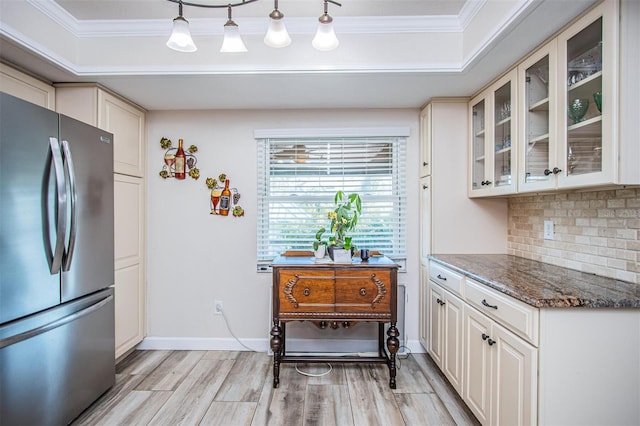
column 344, row 218
column 319, row 245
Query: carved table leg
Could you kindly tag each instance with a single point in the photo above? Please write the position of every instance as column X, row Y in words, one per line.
column 393, row 344
column 276, row 346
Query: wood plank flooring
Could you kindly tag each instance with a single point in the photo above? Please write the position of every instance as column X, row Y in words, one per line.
column 235, row 388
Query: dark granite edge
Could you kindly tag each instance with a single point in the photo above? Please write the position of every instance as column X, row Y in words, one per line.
column 560, row 302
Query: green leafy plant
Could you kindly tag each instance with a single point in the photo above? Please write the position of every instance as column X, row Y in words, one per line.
column 319, row 241
column 344, row 218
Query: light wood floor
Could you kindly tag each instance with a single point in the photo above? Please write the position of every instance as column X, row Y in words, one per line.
column 235, row 388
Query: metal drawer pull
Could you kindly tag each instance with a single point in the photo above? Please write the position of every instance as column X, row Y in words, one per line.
column 484, row 336
column 440, row 302
column 484, row 303
column 440, row 277
column 363, row 292
column 491, row 342
column 307, row 291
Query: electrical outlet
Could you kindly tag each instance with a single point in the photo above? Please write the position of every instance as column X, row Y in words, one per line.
column 218, row 307
column 548, row 230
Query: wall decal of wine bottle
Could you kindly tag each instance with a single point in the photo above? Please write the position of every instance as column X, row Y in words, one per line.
column 223, row 198
column 177, row 162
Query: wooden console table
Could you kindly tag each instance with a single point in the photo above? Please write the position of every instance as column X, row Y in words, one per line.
column 335, row 295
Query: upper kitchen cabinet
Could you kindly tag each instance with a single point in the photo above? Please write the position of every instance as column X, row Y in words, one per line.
column 577, row 97
column 99, row 107
column 537, row 134
column 587, row 152
column 492, row 123
column 425, row 141
column 23, row 86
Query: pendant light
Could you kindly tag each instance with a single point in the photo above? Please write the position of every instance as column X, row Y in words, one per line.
column 232, row 41
column 277, row 35
column 325, row 38
column 180, row 38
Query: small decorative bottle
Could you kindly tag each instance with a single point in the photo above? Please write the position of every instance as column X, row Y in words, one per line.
column 225, row 199
column 180, row 161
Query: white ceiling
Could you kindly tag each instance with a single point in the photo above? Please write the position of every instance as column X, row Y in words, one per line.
column 392, row 53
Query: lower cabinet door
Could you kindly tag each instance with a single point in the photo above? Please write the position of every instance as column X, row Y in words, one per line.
column 435, row 345
column 477, row 368
column 514, row 381
column 453, row 342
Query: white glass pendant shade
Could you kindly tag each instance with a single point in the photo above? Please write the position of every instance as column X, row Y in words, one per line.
column 325, row 38
column 232, row 41
column 180, row 39
column 277, row 35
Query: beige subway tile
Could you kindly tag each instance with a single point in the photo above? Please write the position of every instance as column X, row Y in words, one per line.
column 605, row 195
column 616, row 264
column 626, row 193
column 616, row 203
column 606, row 213
column 597, row 204
column 627, row 234
column 630, row 213
column 598, row 241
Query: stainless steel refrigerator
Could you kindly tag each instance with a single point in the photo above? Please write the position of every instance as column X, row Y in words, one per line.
column 56, row 265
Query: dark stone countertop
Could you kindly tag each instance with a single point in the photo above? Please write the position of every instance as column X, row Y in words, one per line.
column 543, row 285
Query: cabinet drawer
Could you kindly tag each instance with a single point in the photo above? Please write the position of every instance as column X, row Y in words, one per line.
column 363, row 291
column 446, row 278
column 516, row 316
column 306, row 291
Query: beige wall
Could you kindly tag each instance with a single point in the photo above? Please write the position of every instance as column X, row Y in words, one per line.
column 596, row 232
column 195, row 258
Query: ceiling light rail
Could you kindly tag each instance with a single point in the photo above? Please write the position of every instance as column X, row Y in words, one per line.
column 277, row 35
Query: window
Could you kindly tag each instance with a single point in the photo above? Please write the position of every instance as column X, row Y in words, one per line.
column 298, row 177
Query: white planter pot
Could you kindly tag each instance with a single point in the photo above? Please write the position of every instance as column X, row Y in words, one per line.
column 319, row 254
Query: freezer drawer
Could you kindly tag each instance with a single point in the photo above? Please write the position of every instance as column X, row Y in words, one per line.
column 54, row 364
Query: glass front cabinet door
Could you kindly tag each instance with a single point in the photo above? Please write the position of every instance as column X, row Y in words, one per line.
column 493, row 126
column 537, row 131
column 587, row 52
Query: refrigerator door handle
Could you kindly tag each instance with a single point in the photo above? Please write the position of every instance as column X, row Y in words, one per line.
column 69, row 168
column 54, row 324
column 61, row 207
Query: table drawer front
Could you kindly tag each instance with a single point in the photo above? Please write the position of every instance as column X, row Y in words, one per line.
column 446, row 278
column 517, row 316
column 363, row 291
column 306, row 291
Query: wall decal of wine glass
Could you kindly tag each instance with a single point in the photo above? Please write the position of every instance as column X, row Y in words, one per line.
column 222, row 198
column 168, row 169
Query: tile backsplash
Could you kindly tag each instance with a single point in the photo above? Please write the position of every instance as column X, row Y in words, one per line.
column 596, row 232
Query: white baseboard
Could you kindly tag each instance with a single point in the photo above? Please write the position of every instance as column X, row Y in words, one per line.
column 260, row 345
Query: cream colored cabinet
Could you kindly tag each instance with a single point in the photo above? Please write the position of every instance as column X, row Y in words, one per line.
column 493, row 125
column 97, row 106
column 101, row 108
column 575, row 128
column 426, row 137
column 423, row 310
column 537, row 133
column 425, row 219
column 445, row 343
column 23, row 86
column 129, row 262
column 500, row 373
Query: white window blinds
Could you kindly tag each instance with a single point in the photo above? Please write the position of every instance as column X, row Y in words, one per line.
column 299, row 176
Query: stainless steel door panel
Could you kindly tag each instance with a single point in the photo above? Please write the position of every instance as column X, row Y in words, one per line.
column 54, row 364
column 91, row 163
column 26, row 283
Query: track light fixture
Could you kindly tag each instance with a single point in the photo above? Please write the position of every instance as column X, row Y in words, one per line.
column 180, row 39
column 277, row 35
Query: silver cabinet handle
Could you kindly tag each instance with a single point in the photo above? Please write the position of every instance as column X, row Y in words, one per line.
column 73, row 224
column 61, row 206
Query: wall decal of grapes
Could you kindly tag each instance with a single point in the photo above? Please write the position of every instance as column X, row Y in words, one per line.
column 169, row 168
column 223, row 199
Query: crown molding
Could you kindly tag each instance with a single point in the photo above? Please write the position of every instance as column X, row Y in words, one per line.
column 214, row 26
